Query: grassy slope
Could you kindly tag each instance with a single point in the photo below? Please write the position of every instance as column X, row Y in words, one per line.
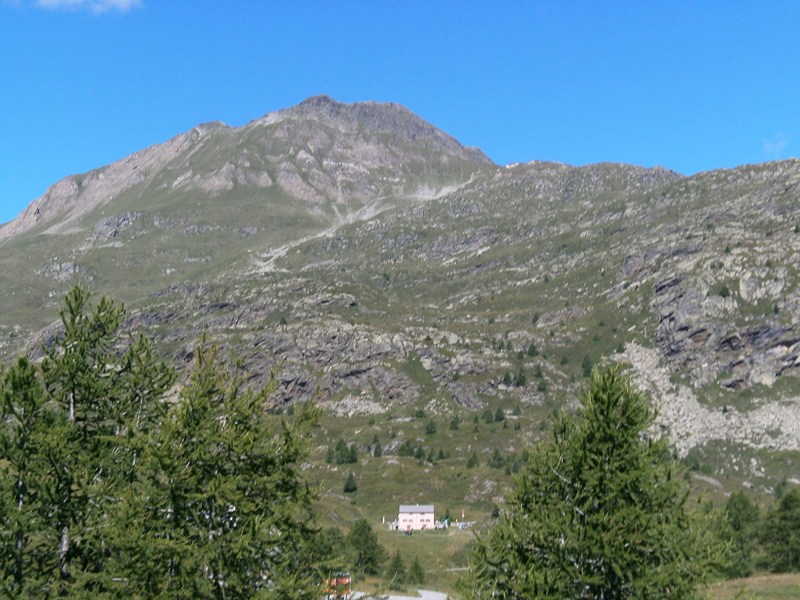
column 759, row 587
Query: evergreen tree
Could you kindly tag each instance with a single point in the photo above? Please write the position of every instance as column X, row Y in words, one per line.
column 496, row 461
column 377, row 452
column 219, row 508
column 74, row 429
column 367, row 552
column 416, row 574
column 24, row 423
column 341, row 452
column 781, row 533
column 350, row 484
column 396, row 572
column 598, row 513
column 473, row 460
column 520, row 379
column 743, row 520
column 344, row 454
column 328, row 550
column 586, row 366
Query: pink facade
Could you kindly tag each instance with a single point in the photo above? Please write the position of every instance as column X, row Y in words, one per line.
column 415, row 517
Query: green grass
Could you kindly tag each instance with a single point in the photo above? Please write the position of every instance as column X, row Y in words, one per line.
column 759, row 587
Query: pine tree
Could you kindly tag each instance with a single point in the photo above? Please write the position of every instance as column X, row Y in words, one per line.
column 586, row 366
column 83, row 417
column 781, row 534
column 473, row 460
column 25, row 421
column 743, row 520
column 350, row 484
column 341, row 452
column 220, row 508
column 598, row 513
column 367, row 552
column 496, row 461
column 396, row 572
column 521, row 379
column 416, row 574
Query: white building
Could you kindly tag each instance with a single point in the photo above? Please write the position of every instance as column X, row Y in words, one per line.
column 415, row 517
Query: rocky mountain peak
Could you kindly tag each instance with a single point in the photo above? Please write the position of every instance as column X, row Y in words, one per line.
column 376, row 119
column 320, row 150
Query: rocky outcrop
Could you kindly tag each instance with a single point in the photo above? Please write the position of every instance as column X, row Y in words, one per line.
column 690, row 424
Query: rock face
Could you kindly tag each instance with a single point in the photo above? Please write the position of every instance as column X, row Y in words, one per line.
column 376, row 263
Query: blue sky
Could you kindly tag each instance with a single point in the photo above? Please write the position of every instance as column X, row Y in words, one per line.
column 691, row 86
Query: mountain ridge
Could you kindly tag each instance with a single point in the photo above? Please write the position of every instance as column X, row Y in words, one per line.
column 382, row 263
column 381, row 118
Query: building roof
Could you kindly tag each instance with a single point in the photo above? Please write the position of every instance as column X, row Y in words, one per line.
column 416, row 508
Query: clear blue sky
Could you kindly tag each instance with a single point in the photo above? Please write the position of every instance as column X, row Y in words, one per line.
column 691, row 86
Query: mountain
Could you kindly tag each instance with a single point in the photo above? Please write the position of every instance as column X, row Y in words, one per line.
column 384, row 266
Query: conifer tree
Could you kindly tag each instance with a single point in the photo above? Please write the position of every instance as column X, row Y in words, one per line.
column 24, row 423
column 586, row 366
column 781, row 534
column 416, row 574
column 82, row 417
column 220, row 508
column 368, row 554
column 600, row 512
column 396, row 572
column 743, row 520
column 350, row 484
